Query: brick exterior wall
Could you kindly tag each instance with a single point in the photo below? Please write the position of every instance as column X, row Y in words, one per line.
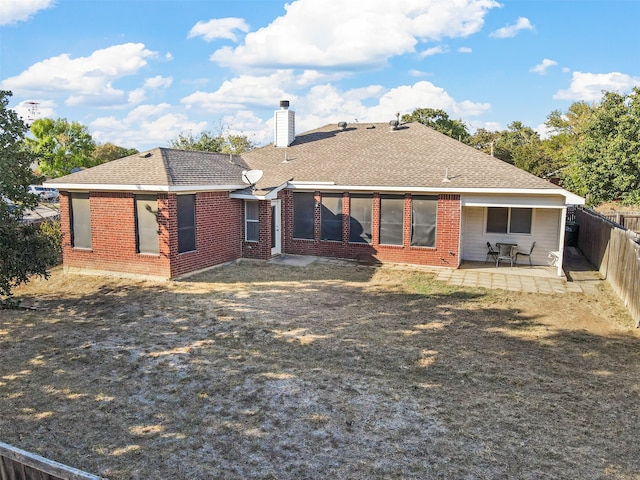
column 219, row 230
column 113, row 238
column 262, row 248
column 113, row 235
column 445, row 252
column 220, row 235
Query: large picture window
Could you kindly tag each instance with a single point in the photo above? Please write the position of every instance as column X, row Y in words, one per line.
column 80, row 220
column 303, row 215
column 423, row 220
column 186, row 223
column 331, row 217
column 391, row 219
column 251, row 221
column 147, row 224
column 360, row 218
column 509, row 220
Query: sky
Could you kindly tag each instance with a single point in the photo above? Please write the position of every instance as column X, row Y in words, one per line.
column 138, row 73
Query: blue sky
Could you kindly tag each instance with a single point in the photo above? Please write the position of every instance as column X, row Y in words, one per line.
column 140, row 72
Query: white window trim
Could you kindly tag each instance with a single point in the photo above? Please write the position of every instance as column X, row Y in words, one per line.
column 251, row 220
column 508, row 232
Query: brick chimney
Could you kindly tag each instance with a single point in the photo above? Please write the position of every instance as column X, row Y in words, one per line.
column 285, row 125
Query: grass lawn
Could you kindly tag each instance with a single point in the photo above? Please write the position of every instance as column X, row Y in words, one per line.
column 261, row 371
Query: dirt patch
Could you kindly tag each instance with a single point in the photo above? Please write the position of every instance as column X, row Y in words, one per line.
column 265, row 371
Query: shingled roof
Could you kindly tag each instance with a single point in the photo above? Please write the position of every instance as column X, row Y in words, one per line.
column 374, row 154
column 161, row 169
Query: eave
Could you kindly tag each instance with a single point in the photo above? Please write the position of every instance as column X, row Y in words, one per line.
column 100, row 187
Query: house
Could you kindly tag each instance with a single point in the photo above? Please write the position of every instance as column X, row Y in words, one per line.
column 380, row 192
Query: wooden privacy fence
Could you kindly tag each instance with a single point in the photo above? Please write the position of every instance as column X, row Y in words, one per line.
column 16, row 464
column 630, row 221
column 616, row 253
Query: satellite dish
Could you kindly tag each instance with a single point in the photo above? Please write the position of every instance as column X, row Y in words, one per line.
column 251, row 177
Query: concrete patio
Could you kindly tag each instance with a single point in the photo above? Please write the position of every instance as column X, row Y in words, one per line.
column 579, row 275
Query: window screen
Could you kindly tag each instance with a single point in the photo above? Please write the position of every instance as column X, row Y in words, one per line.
column 509, row 220
column 303, row 215
column 147, row 224
column 251, row 221
column 360, row 219
column 391, row 219
column 520, row 220
column 186, row 223
column 423, row 220
column 80, row 220
column 331, row 217
column 497, row 219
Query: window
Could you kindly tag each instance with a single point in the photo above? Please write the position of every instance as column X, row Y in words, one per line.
column 360, row 219
column 391, row 219
column 251, row 221
column 423, row 220
column 303, row 215
column 186, row 223
column 80, row 220
column 331, row 217
column 509, row 220
column 147, row 224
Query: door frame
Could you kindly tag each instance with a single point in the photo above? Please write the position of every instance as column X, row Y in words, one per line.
column 276, row 227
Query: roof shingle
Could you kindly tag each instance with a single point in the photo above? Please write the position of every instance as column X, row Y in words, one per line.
column 413, row 155
column 165, row 167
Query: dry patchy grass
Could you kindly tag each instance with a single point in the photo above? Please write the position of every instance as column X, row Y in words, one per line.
column 263, row 371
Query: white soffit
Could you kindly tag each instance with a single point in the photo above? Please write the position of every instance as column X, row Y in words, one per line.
column 539, row 201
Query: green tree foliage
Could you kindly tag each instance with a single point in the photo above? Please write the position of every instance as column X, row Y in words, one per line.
column 605, row 163
column 109, row 151
column 439, row 120
column 25, row 250
column 61, row 146
column 209, row 142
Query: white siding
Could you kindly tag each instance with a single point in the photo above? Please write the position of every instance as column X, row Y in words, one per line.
column 545, row 232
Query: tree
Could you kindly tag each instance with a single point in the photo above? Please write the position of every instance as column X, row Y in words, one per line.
column 61, row 146
column 208, row 142
column 439, row 120
column 605, row 163
column 25, row 250
column 109, row 151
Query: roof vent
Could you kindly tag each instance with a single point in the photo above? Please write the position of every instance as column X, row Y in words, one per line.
column 342, row 125
column 394, row 124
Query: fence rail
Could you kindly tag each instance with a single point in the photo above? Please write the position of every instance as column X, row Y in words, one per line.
column 630, row 220
column 17, row 464
column 615, row 251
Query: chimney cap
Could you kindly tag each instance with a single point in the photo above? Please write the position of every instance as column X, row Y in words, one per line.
column 284, row 103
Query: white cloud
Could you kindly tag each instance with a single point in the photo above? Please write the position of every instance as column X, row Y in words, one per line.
column 434, row 51
column 219, row 28
column 542, row 68
column 342, row 34
column 147, row 126
column 321, row 103
column 509, row 31
column 158, row 82
column 245, row 91
column 14, row 11
column 87, row 80
column 589, row 86
column 418, row 73
column 465, row 50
